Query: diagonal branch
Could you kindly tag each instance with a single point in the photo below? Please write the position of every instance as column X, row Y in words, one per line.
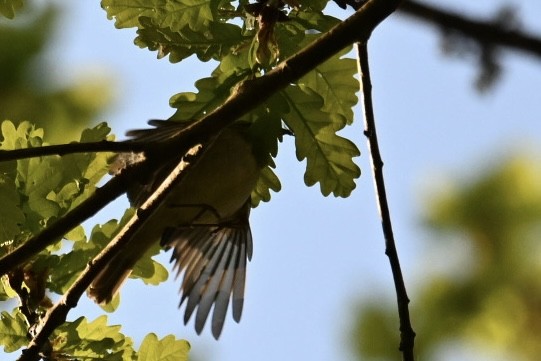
column 248, row 95
column 103, row 196
column 56, row 315
column 407, row 335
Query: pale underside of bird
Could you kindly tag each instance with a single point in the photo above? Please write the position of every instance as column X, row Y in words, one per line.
column 203, row 219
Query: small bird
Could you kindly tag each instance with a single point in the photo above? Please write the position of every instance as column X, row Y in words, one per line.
column 204, row 220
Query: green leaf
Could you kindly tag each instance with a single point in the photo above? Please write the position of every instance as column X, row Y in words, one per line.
column 127, row 12
column 264, row 133
column 212, row 93
column 314, row 5
column 68, row 266
column 112, row 305
column 93, row 340
column 148, row 270
column 166, row 349
column 44, row 188
column 267, row 181
column 77, row 234
column 11, row 215
column 6, row 292
column 8, row 8
column 310, row 19
column 329, row 156
column 334, row 81
column 174, row 14
column 13, row 329
column 214, row 43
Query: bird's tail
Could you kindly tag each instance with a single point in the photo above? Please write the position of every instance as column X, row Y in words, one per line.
column 110, row 279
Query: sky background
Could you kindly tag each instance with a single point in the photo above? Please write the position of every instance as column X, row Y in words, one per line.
column 315, row 258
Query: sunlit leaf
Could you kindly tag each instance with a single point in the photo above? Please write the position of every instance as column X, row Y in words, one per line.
column 11, row 215
column 127, row 12
column 166, row 349
column 92, row 340
column 329, row 156
column 212, row 93
column 13, row 329
column 196, row 14
column 213, row 43
column 334, row 81
column 267, row 181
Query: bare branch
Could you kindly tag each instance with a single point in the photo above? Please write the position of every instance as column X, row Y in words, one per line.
column 63, row 149
column 407, row 335
column 482, row 31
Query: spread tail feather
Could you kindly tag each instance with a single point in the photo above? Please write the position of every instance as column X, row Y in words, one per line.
column 213, row 261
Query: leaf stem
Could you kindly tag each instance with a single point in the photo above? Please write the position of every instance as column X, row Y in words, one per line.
column 407, row 335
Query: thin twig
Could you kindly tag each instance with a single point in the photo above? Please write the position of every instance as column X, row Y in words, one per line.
column 57, row 315
column 407, row 335
column 63, row 149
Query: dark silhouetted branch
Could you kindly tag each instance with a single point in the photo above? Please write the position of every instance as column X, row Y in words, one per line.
column 407, row 335
column 481, row 30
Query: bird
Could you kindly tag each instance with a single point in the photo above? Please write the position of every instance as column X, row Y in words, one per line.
column 204, row 220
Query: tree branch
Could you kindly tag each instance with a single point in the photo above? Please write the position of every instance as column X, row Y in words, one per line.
column 482, row 31
column 104, row 195
column 57, row 315
column 248, row 95
column 407, row 335
column 251, row 93
column 63, row 149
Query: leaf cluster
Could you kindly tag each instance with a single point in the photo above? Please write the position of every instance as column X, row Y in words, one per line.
column 247, row 40
column 35, row 192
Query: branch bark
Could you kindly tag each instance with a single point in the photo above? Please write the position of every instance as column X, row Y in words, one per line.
column 63, row 149
column 407, row 335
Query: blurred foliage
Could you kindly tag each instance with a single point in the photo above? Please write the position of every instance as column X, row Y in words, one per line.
column 27, row 90
column 493, row 298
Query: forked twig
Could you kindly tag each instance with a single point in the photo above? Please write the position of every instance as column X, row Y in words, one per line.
column 407, row 335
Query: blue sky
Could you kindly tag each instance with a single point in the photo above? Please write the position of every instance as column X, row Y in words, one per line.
column 315, row 257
